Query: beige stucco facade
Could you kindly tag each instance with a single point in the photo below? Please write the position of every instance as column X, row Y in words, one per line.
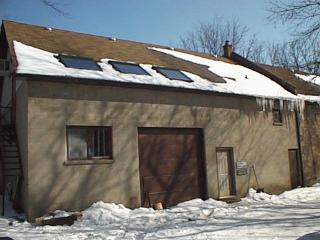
column 227, row 121
column 310, row 141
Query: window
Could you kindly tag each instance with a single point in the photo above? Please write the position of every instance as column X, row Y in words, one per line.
column 130, row 68
column 85, row 143
column 79, row 62
column 173, row 74
column 276, row 113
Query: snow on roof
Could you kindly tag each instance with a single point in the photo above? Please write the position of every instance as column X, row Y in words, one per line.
column 239, row 79
column 310, row 98
column 309, row 78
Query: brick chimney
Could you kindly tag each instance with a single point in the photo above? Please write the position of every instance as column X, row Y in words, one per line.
column 227, row 50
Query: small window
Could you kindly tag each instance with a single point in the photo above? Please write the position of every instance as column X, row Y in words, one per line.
column 277, row 114
column 79, row 62
column 85, row 143
column 129, row 68
column 173, row 74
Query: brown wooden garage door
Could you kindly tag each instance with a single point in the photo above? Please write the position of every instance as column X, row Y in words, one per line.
column 172, row 167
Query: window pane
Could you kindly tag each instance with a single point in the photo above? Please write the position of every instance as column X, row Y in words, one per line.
column 173, row 74
column 277, row 117
column 77, row 143
column 89, row 142
column 128, row 68
column 78, row 62
column 101, row 142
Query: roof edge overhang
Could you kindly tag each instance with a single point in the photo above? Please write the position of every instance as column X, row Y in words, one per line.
column 111, row 83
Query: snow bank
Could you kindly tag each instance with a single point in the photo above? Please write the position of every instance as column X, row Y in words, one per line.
column 298, row 195
column 290, row 215
column 307, row 194
column 101, row 213
column 254, row 196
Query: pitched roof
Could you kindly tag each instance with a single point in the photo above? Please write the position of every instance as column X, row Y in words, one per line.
column 98, row 47
column 302, row 87
column 283, row 76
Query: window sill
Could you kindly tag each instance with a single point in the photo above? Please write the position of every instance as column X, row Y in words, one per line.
column 88, row 162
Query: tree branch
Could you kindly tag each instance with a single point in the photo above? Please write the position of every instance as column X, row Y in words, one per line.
column 54, row 6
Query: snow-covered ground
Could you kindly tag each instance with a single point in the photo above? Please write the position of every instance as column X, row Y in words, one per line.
column 292, row 215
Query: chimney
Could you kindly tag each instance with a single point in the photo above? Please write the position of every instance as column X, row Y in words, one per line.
column 227, row 50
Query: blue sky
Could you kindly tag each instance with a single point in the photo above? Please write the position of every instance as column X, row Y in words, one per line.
column 153, row 21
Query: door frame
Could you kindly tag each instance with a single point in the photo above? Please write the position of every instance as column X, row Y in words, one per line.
column 299, row 167
column 202, row 163
column 231, row 168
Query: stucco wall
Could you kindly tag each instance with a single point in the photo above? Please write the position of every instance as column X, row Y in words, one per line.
column 227, row 122
column 310, row 142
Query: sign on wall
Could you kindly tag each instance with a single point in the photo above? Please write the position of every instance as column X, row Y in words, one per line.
column 242, row 168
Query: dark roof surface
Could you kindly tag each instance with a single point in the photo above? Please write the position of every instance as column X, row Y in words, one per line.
column 288, row 76
column 98, row 47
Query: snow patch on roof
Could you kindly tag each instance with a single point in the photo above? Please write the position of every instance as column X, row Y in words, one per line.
column 32, row 60
column 309, row 78
column 310, row 98
column 240, row 80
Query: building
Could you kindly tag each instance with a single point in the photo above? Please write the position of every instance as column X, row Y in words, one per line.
column 96, row 118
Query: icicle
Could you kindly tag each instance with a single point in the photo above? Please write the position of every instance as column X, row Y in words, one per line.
column 271, row 104
column 301, row 106
column 290, row 106
column 263, row 104
column 259, row 102
column 281, row 104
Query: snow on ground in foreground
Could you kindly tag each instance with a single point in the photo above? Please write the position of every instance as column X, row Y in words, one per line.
column 292, row 215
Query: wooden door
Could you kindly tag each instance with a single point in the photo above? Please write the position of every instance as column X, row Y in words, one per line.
column 172, row 167
column 294, row 168
column 226, row 173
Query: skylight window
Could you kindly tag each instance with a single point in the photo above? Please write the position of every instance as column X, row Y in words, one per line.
column 129, row 68
column 79, row 62
column 173, row 74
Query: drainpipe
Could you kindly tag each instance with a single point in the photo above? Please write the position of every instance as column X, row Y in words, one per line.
column 297, row 118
